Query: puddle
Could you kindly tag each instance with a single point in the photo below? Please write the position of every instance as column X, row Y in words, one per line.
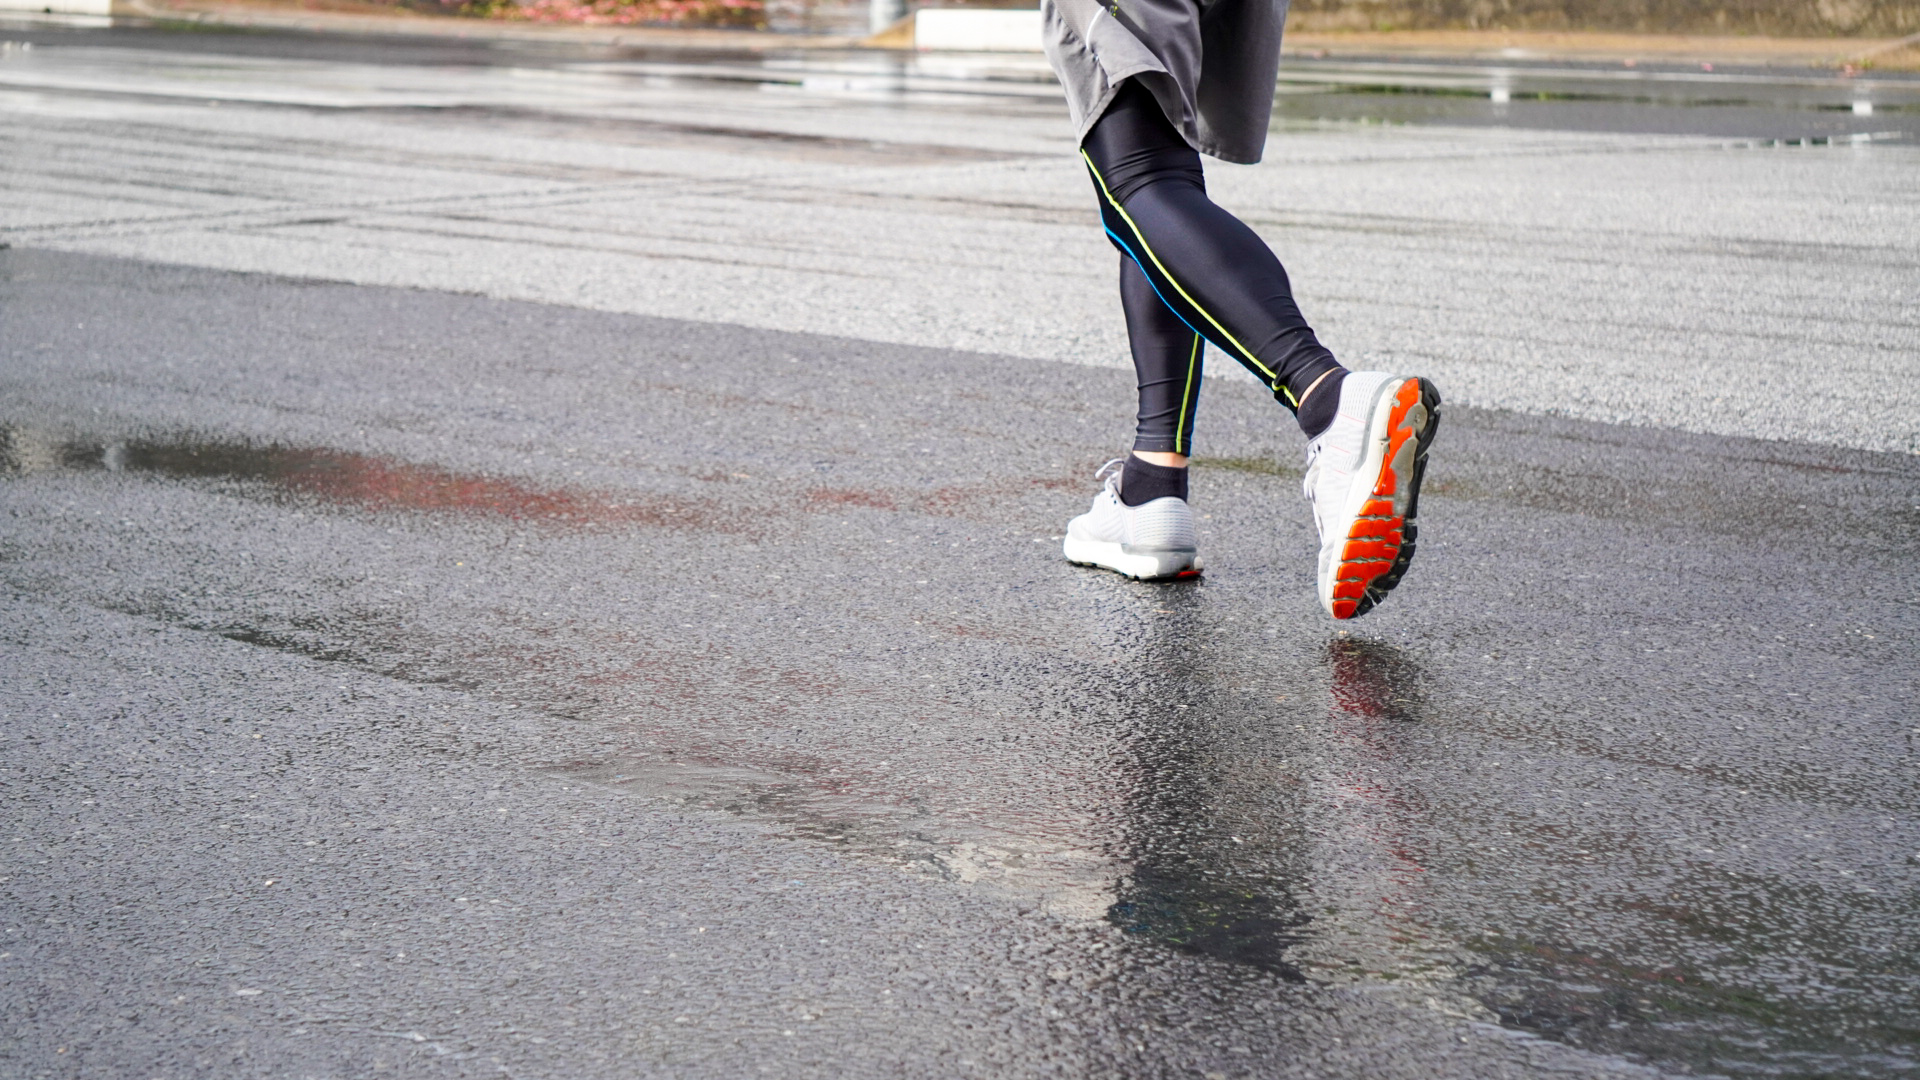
column 354, row 480
column 367, row 482
column 1760, row 110
column 1037, row 873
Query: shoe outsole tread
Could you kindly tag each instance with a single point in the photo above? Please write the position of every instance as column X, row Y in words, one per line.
column 1381, row 541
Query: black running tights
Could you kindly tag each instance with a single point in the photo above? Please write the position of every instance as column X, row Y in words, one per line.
column 1189, row 271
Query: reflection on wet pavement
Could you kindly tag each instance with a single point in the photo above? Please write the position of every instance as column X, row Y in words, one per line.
column 350, row 479
column 1373, row 682
column 1211, row 820
column 1769, row 108
column 1336, row 810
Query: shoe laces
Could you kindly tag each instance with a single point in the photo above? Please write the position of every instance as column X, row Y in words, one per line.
column 1113, row 476
column 1312, row 473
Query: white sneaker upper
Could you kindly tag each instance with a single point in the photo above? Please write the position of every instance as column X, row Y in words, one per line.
column 1363, row 479
column 1153, row 540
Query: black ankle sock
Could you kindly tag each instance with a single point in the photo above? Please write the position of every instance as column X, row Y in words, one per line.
column 1143, row 481
column 1316, row 413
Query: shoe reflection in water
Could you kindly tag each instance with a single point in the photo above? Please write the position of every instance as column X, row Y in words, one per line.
column 1263, row 832
column 1211, row 822
column 1369, row 815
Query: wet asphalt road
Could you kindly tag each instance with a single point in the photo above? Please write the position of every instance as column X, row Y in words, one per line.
column 440, row 684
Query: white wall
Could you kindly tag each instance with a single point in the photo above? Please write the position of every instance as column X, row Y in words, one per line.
column 964, row 30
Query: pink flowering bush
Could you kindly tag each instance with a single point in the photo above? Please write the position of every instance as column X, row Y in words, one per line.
column 738, row 13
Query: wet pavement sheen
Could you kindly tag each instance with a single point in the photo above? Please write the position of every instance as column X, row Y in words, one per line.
column 401, row 680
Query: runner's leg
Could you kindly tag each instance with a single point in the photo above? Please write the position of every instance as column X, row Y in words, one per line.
column 1368, row 433
column 1204, row 264
column 1166, row 360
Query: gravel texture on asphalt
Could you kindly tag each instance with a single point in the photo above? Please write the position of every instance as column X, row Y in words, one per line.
column 452, row 685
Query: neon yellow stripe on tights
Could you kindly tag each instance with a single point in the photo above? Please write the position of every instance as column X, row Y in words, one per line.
column 1186, row 398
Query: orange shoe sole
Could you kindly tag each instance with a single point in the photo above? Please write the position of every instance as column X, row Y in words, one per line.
column 1380, row 545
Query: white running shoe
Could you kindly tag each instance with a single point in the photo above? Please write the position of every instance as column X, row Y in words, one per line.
column 1147, row 542
column 1363, row 479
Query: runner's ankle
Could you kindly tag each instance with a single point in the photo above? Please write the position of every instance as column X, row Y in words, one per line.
column 1320, row 402
column 1142, row 481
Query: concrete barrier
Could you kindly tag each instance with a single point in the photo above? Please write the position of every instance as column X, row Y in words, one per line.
column 977, row 29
